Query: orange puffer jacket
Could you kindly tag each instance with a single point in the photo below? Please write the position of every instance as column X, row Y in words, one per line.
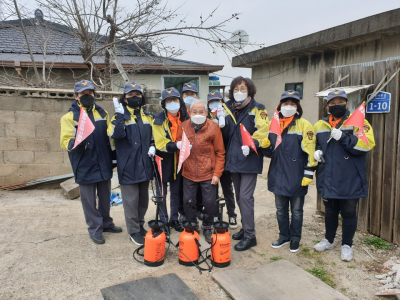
column 207, row 156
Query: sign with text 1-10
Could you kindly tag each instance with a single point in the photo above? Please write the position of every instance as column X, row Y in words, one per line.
column 380, row 104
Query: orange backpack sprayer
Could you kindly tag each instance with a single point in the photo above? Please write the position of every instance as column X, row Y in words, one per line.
column 155, row 239
column 188, row 244
column 221, row 241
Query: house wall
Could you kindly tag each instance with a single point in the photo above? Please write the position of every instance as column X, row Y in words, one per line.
column 30, row 133
column 306, row 69
column 156, row 82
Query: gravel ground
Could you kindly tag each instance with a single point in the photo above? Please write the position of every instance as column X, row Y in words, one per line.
column 46, row 252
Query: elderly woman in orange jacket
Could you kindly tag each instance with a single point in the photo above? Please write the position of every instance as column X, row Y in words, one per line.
column 204, row 166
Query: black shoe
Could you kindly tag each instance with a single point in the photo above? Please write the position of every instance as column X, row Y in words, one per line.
column 294, row 246
column 200, row 215
column 238, row 235
column 98, row 240
column 246, row 243
column 137, row 238
column 114, row 229
column 207, row 235
column 143, row 231
column 279, row 243
column 177, row 226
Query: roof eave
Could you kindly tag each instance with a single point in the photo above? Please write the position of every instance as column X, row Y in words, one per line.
column 365, row 29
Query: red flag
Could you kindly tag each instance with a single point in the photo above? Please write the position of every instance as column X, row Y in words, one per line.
column 158, row 162
column 85, row 128
column 184, row 152
column 247, row 140
column 357, row 120
column 275, row 127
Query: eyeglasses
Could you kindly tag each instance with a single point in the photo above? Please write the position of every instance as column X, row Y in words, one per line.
column 243, row 89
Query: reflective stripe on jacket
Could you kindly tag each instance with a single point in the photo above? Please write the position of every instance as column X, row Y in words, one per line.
column 255, row 118
column 292, row 160
column 132, row 137
column 91, row 161
column 344, row 174
column 165, row 147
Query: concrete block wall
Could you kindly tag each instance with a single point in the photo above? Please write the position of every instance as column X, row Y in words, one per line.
column 30, row 132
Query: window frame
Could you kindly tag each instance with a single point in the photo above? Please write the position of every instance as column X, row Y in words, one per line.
column 190, row 76
column 295, row 84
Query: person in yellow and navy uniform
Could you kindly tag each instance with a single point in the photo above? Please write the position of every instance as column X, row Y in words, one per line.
column 165, row 129
column 218, row 112
column 91, row 161
column 291, row 168
column 242, row 162
column 341, row 173
column 131, row 130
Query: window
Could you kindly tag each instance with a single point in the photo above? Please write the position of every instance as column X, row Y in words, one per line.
column 177, row 82
column 297, row 86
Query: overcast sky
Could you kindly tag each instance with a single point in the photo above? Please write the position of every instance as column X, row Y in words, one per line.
column 267, row 22
column 273, row 22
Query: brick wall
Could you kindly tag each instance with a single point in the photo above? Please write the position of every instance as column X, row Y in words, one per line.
column 30, row 132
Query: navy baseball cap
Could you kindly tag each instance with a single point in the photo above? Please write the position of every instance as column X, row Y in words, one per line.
column 190, row 87
column 82, row 86
column 132, row 86
column 335, row 94
column 170, row 92
column 293, row 95
column 216, row 95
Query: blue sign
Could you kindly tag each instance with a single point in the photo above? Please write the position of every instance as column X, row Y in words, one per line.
column 380, row 104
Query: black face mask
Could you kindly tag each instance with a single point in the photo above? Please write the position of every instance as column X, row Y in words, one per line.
column 86, row 100
column 134, row 101
column 338, row 111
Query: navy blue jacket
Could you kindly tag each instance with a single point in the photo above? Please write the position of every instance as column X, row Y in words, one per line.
column 344, row 174
column 91, row 160
column 254, row 117
column 292, row 160
column 132, row 135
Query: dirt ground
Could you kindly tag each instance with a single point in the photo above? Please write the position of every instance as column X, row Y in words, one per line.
column 46, row 252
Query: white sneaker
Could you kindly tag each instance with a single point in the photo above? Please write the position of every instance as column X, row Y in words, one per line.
column 324, row 245
column 347, row 253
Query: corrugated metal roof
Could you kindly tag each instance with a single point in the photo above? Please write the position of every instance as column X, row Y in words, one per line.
column 347, row 89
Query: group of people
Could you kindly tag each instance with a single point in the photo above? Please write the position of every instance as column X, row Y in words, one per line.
column 217, row 155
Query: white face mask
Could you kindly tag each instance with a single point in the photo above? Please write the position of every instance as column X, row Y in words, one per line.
column 198, row 119
column 214, row 106
column 239, row 96
column 287, row 111
column 173, row 107
column 189, row 100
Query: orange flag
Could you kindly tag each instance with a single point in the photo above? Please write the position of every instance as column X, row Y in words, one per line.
column 275, row 127
column 158, row 162
column 184, row 152
column 85, row 128
column 357, row 120
column 247, row 140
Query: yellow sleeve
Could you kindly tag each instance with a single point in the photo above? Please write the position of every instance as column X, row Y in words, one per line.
column 262, row 125
column 110, row 126
column 68, row 130
column 160, row 138
column 371, row 139
column 308, row 143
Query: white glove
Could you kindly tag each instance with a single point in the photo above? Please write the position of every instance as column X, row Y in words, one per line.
column 221, row 112
column 246, row 150
column 318, row 155
column 336, row 134
column 119, row 109
column 179, row 145
column 152, row 151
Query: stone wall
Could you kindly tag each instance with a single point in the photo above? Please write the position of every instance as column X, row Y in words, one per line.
column 30, row 132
